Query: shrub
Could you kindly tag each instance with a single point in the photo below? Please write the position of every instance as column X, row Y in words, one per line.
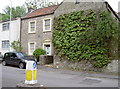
column 38, row 52
column 16, row 45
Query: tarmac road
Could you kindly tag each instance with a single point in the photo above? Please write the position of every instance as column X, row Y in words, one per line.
column 11, row 76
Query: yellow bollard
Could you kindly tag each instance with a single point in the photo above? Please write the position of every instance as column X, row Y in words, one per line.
column 31, row 72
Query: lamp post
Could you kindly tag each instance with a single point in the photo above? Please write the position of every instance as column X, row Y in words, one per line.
column 10, row 24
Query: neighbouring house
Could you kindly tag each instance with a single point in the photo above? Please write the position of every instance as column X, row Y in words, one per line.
column 9, row 32
column 36, row 30
column 68, row 6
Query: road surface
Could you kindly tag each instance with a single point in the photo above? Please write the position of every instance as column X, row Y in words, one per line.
column 11, row 76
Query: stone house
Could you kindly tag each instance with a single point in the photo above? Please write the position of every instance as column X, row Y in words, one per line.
column 36, row 30
column 9, row 32
column 68, row 6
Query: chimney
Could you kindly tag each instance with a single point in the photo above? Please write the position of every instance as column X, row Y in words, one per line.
column 30, row 9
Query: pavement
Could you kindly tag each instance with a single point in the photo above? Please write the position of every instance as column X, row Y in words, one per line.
column 79, row 73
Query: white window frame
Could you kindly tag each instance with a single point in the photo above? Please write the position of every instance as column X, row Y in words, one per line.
column 29, row 47
column 48, row 43
column 44, row 24
column 8, row 28
column 2, row 44
column 29, row 29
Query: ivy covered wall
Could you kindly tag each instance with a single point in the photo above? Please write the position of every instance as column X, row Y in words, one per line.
column 86, row 35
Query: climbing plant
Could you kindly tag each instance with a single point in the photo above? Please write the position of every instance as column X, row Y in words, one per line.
column 85, row 35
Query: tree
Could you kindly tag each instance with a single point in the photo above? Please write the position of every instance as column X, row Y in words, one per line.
column 17, row 11
column 4, row 16
column 35, row 4
column 16, row 45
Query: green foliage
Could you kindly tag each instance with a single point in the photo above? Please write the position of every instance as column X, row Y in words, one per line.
column 16, row 45
column 36, row 4
column 38, row 52
column 17, row 11
column 85, row 36
column 4, row 17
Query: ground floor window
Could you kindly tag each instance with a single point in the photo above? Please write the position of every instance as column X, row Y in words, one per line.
column 47, row 48
column 5, row 44
column 31, row 47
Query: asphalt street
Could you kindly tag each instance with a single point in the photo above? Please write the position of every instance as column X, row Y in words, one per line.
column 11, row 76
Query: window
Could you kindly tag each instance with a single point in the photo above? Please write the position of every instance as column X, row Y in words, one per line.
column 5, row 44
column 7, row 55
column 32, row 27
column 5, row 26
column 47, row 25
column 31, row 48
column 13, row 55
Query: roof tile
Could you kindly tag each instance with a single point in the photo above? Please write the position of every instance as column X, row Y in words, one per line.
column 41, row 11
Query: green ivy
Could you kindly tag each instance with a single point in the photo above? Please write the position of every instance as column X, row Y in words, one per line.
column 84, row 36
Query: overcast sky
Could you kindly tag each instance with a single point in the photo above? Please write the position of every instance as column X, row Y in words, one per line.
column 4, row 3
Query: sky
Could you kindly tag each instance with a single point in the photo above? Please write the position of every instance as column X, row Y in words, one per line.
column 4, row 3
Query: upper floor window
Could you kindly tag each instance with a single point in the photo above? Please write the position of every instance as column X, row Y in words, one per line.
column 5, row 26
column 32, row 27
column 47, row 25
column 5, row 44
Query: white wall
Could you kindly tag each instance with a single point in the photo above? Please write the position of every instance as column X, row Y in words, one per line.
column 12, row 34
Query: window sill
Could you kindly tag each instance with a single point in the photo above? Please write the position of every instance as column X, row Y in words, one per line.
column 31, row 32
column 46, row 30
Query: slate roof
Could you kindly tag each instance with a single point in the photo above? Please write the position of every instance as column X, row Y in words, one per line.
column 41, row 12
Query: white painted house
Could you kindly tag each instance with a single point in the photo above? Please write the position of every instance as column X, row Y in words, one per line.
column 9, row 32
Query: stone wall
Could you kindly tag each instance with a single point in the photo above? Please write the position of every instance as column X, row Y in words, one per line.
column 67, row 7
column 86, row 65
column 45, row 59
column 39, row 37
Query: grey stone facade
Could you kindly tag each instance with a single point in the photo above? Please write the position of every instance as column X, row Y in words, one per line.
column 39, row 36
column 67, row 7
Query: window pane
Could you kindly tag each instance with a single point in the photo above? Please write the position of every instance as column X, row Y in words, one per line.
column 5, row 26
column 13, row 55
column 5, row 44
column 32, row 26
column 47, row 27
column 47, row 24
column 32, row 47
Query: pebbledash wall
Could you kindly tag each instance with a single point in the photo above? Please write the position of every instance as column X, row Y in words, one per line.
column 68, row 6
column 39, row 37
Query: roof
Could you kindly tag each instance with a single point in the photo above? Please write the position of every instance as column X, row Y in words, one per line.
column 41, row 12
column 9, row 20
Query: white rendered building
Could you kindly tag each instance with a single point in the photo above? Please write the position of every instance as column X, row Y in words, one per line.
column 9, row 32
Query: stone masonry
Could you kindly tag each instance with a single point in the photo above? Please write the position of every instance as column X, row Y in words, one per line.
column 37, row 37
